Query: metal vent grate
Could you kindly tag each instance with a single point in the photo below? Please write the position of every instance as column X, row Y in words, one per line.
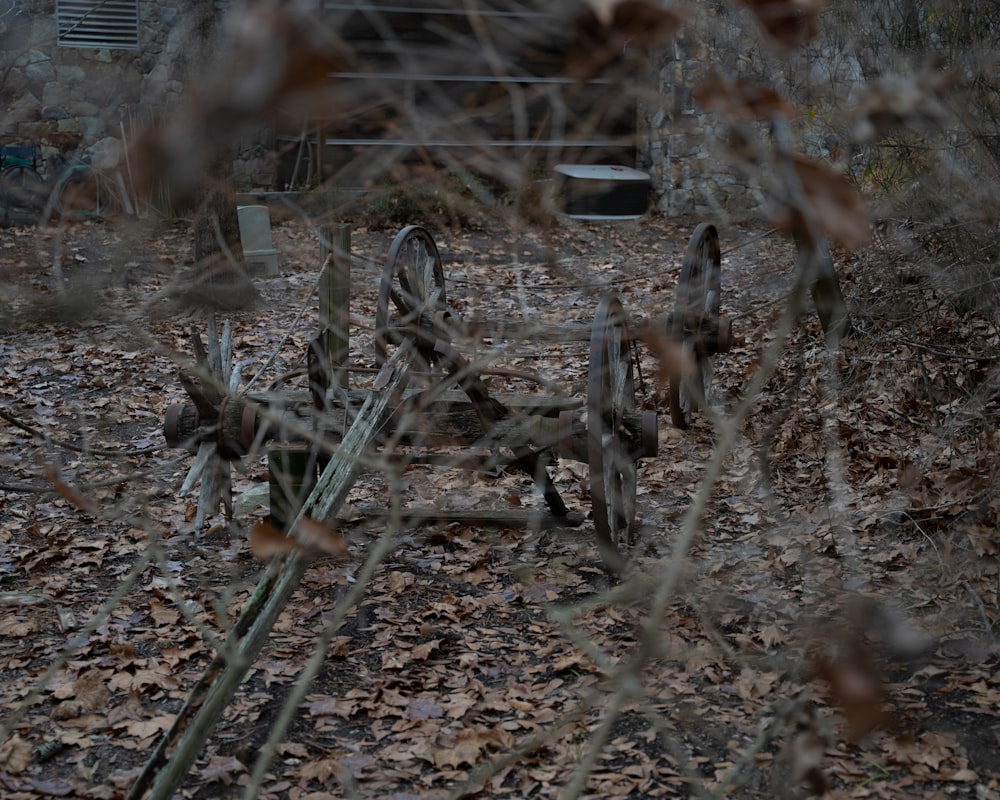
column 98, row 23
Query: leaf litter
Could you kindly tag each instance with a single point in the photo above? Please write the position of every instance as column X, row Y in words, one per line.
column 835, row 626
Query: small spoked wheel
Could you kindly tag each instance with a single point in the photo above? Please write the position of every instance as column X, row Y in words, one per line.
column 610, row 396
column 696, row 311
column 411, row 295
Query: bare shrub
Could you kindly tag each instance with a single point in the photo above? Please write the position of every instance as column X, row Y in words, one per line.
column 805, row 557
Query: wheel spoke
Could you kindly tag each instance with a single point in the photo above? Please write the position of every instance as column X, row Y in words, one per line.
column 696, row 307
column 413, row 283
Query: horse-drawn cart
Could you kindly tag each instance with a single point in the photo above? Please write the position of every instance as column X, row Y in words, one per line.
column 441, row 410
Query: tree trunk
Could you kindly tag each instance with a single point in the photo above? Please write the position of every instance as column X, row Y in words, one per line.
column 219, row 281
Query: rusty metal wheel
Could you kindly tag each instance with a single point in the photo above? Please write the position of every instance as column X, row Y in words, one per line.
column 696, row 311
column 611, row 458
column 411, row 295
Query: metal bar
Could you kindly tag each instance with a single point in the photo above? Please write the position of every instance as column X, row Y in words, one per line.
column 452, row 12
column 430, row 77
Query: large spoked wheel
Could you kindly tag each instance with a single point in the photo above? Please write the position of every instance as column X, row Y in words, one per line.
column 610, row 396
column 411, row 295
column 696, row 310
column 23, row 193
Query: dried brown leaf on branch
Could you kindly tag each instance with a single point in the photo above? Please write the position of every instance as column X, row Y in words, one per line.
column 608, row 27
column 743, row 97
column 77, row 499
column 844, row 656
column 275, row 62
column 903, row 102
column 835, row 204
column 671, row 358
column 637, row 17
column 807, row 750
column 788, row 23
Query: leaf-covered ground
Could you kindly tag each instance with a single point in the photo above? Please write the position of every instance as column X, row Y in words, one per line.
column 832, row 627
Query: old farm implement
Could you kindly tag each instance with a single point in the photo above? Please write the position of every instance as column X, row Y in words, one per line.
column 436, row 407
column 431, row 401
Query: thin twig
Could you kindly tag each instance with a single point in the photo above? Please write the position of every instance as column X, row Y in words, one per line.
column 66, row 445
column 978, row 602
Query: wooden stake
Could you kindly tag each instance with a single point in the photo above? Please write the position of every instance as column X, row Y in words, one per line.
column 335, row 298
column 291, row 476
column 171, row 760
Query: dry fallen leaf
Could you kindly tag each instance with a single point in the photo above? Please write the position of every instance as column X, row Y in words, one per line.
column 223, row 768
column 331, row 706
column 743, row 97
column 321, row 771
column 145, row 728
column 15, row 755
column 90, row 693
column 788, row 23
column 424, row 708
column 462, row 748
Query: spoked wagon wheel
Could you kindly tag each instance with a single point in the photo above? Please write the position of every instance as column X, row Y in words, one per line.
column 696, row 311
column 411, row 295
column 610, row 396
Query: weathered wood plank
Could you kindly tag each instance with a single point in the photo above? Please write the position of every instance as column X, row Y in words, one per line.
column 480, row 517
column 335, row 297
column 176, row 751
column 450, row 400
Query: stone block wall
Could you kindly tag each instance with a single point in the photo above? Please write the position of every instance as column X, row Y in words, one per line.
column 70, row 99
column 89, row 102
column 689, row 150
column 681, row 145
column 93, row 101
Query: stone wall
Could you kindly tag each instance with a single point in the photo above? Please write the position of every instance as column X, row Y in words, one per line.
column 681, row 145
column 71, row 99
column 88, row 102
column 689, row 151
column 92, row 101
